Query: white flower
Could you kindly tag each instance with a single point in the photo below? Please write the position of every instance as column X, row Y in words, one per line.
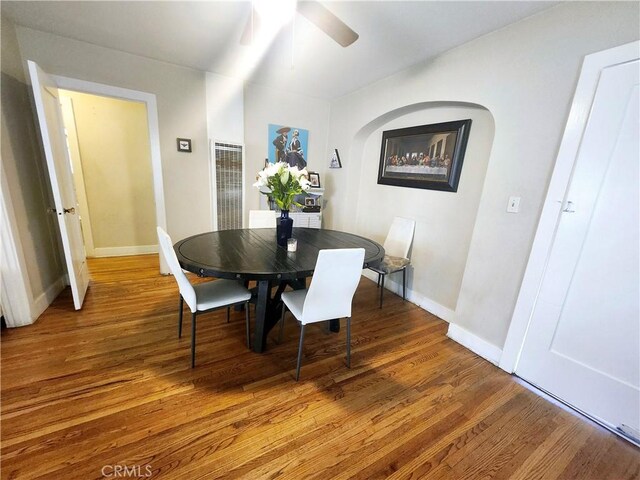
column 282, row 182
column 284, row 177
column 262, row 180
column 304, row 183
column 295, row 172
column 272, row 169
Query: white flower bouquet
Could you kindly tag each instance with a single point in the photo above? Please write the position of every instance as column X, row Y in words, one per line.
column 282, row 183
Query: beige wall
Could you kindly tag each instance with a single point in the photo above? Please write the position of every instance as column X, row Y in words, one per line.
column 181, row 101
column 26, row 171
column 266, row 105
column 524, row 75
column 113, row 141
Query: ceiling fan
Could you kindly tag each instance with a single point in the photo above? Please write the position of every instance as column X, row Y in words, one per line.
column 317, row 14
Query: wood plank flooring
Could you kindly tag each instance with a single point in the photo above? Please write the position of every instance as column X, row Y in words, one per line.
column 107, row 392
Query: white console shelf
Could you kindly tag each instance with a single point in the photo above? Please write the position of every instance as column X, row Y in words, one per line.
column 308, row 219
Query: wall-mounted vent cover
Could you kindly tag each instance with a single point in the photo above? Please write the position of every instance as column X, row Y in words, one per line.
column 228, row 165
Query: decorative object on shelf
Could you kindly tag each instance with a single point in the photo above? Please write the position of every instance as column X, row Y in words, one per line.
column 311, row 205
column 184, row 144
column 314, row 179
column 289, row 145
column 335, row 160
column 428, row 156
column 282, row 183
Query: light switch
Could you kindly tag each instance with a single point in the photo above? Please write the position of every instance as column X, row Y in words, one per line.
column 513, row 205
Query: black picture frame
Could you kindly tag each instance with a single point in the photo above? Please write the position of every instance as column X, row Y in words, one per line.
column 309, row 202
column 183, row 144
column 426, row 156
column 314, row 179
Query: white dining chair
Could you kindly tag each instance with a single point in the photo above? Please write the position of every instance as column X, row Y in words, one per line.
column 262, row 219
column 396, row 249
column 202, row 297
column 330, row 294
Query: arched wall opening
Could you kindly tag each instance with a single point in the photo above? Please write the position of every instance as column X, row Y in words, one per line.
column 444, row 220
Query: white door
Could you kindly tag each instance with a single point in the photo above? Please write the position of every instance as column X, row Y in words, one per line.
column 583, row 340
column 47, row 102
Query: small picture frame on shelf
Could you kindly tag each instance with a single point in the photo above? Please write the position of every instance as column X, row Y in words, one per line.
column 314, row 179
column 309, row 202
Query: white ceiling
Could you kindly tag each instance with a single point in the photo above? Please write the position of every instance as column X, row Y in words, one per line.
column 302, row 59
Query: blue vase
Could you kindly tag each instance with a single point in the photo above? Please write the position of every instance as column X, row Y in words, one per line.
column 284, row 228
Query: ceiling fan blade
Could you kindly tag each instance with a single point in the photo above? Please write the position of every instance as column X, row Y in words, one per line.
column 326, row 21
column 251, row 27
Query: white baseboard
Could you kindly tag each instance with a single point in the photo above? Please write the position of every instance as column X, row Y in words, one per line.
column 477, row 345
column 124, row 251
column 42, row 302
column 414, row 297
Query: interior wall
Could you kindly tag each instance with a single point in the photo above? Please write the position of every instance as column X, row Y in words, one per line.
column 28, row 184
column 113, row 140
column 264, row 106
column 182, row 112
column 444, row 220
column 225, row 108
column 525, row 75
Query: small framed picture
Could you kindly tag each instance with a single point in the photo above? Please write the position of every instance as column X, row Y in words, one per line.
column 309, row 202
column 314, row 179
column 184, row 144
column 335, row 160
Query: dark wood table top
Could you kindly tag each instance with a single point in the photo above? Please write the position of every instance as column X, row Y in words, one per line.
column 253, row 254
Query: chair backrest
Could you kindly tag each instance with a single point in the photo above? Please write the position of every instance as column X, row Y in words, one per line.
column 262, row 219
column 333, row 284
column 186, row 289
column 399, row 238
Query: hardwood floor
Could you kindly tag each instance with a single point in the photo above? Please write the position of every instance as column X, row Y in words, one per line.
column 107, row 392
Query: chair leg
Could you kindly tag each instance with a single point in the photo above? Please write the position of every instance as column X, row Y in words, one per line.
column 180, row 317
column 300, row 352
column 284, row 310
column 378, row 285
column 404, row 284
column 193, row 339
column 228, row 313
column 349, row 342
column 246, row 316
column 382, row 290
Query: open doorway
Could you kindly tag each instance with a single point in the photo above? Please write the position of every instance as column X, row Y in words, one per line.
column 149, row 100
column 109, row 146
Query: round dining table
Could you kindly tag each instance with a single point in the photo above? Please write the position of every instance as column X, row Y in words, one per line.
column 253, row 254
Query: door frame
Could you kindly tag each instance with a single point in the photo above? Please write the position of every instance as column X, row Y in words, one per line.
column 149, row 100
column 16, row 296
column 556, row 195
